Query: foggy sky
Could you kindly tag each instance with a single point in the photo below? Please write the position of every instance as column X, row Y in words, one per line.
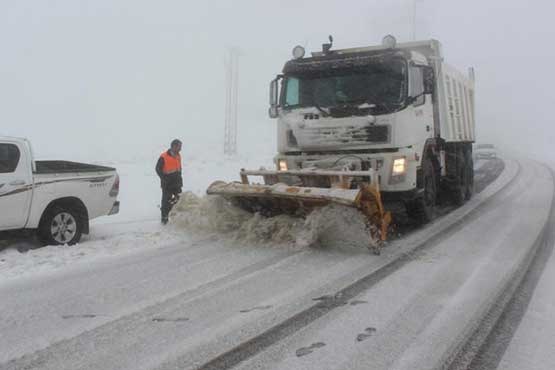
column 119, row 79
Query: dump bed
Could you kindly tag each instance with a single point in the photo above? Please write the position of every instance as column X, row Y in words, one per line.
column 456, row 105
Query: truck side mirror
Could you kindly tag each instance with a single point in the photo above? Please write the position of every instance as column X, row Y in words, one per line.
column 429, row 79
column 273, row 112
column 274, row 94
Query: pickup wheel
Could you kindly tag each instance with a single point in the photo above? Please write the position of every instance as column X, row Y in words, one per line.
column 60, row 226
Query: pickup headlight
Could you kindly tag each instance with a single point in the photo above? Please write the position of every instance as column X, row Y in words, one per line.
column 282, row 165
column 399, row 166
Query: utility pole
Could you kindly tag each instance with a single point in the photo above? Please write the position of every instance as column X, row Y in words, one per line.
column 231, row 99
column 414, row 9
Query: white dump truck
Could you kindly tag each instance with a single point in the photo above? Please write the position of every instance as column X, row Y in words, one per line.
column 365, row 127
column 55, row 198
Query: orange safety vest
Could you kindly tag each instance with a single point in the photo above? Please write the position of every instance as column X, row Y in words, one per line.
column 171, row 164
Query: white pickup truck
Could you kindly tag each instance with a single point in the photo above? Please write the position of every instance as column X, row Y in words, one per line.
column 55, row 198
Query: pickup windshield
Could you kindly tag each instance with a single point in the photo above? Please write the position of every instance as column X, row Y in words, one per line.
column 379, row 84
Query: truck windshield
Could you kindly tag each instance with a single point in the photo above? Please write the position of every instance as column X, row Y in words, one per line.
column 379, row 84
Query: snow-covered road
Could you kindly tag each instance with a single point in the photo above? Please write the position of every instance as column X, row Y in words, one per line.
column 533, row 344
column 420, row 315
column 214, row 304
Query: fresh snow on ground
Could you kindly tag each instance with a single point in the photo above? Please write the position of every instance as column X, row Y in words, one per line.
column 135, row 228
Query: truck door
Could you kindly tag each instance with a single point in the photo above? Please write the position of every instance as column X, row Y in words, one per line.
column 15, row 186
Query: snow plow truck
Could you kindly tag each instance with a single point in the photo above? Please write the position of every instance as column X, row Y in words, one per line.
column 365, row 127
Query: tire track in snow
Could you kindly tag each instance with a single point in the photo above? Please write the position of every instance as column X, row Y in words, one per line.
column 252, row 347
column 39, row 358
column 58, row 347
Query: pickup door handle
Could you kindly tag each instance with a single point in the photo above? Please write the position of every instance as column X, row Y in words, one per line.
column 17, row 182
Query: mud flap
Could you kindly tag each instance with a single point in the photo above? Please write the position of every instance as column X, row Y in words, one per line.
column 378, row 219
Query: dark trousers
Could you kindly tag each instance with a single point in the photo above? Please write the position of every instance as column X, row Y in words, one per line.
column 169, row 198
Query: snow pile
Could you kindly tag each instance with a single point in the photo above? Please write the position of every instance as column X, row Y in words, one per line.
column 215, row 215
column 327, row 226
column 335, row 225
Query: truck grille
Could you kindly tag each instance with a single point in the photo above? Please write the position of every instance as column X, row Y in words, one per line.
column 347, row 135
column 377, row 134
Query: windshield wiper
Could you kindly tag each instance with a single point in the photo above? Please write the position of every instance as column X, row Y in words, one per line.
column 366, row 105
column 374, row 102
column 324, row 113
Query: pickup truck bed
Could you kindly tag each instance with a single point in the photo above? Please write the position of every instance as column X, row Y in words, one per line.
column 52, row 167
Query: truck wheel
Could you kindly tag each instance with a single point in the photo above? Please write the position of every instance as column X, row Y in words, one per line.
column 470, row 175
column 460, row 183
column 60, row 226
column 422, row 210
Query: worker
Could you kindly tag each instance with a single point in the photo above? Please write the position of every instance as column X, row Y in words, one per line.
column 168, row 169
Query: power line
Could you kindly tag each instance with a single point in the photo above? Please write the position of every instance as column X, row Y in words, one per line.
column 232, row 92
column 414, row 17
column 414, row 21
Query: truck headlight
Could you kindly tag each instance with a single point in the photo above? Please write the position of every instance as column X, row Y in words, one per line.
column 399, row 166
column 282, row 165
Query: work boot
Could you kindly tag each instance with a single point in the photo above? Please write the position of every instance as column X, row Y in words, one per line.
column 174, row 199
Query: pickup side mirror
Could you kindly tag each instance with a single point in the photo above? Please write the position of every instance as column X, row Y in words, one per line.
column 429, row 80
column 274, row 98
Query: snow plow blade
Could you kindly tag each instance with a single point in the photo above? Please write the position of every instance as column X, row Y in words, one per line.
column 279, row 198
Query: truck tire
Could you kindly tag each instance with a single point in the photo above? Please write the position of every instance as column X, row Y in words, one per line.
column 422, row 209
column 60, row 226
column 470, row 175
column 459, row 185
